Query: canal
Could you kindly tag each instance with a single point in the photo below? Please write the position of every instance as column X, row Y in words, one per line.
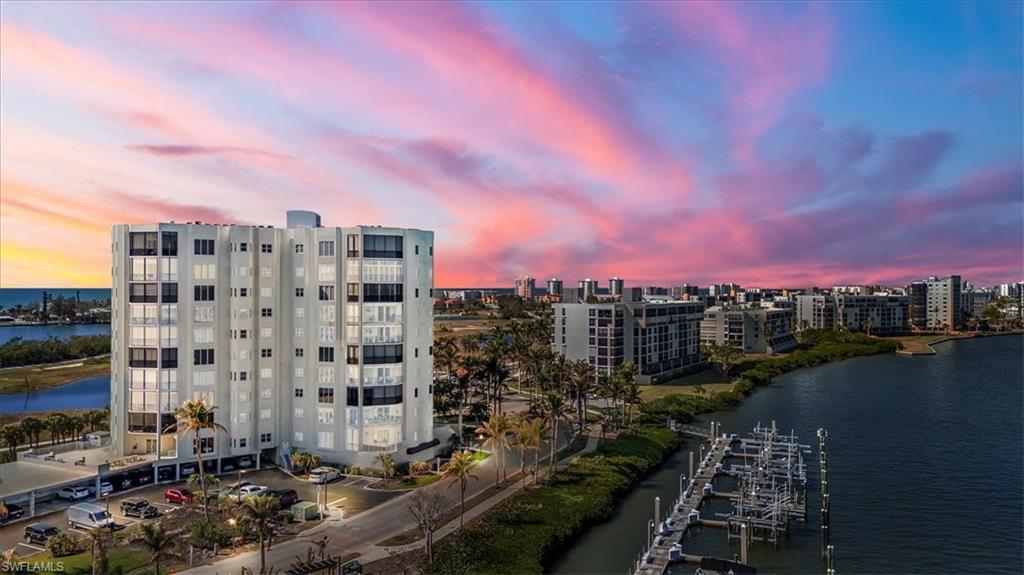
column 925, row 468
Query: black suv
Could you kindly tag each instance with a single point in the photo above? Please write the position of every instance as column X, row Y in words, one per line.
column 38, row 533
column 286, row 497
column 136, row 507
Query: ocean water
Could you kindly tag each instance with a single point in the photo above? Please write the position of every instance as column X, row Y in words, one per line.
column 10, row 297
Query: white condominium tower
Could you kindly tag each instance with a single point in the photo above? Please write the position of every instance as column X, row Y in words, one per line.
column 305, row 339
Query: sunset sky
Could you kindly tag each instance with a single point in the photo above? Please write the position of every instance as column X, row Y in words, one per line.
column 770, row 145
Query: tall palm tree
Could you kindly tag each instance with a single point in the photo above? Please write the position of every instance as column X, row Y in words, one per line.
column 94, row 418
column 387, row 465
column 555, row 409
column 464, row 377
column 259, row 514
column 305, row 461
column 33, row 427
column 158, row 542
column 459, row 469
column 627, row 373
column 99, row 540
column 496, row 430
column 12, row 435
column 55, row 422
column 192, row 417
column 581, row 380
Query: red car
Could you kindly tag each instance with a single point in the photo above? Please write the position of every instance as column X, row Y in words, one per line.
column 177, row 495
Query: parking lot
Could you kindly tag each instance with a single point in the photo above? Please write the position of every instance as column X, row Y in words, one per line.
column 346, row 493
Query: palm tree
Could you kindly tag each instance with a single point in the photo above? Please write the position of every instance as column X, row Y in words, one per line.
column 305, row 461
column 194, row 416
column 55, row 423
column 464, row 376
column 12, row 435
column 158, row 542
column 554, row 409
column 99, row 538
column 387, row 465
column 523, row 439
column 459, row 469
column 581, row 381
column 76, row 424
column 496, row 430
column 32, row 427
column 94, row 418
column 259, row 513
column 204, row 486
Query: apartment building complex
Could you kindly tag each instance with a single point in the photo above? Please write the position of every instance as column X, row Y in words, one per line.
column 615, row 286
column 936, row 303
column 661, row 338
column 305, row 339
column 751, row 328
column 524, row 286
column 877, row 314
column 554, row 286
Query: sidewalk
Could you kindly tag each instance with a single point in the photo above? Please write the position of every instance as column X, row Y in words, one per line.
column 377, row 552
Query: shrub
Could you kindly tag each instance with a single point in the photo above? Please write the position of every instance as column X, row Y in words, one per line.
column 207, row 535
column 61, row 545
column 419, row 468
column 521, row 535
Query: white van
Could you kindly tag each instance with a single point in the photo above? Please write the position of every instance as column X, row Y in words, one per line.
column 88, row 515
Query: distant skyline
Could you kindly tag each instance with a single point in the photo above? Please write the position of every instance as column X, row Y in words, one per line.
column 765, row 144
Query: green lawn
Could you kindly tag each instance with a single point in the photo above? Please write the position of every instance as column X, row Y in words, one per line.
column 13, row 380
column 480, row 455
column 711, row 380
column 125, row 558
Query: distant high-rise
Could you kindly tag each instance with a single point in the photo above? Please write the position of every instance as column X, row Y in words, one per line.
column 587, row 287
column 615, row 286
column 554, row 286
column 524, row 286
column 935, row 303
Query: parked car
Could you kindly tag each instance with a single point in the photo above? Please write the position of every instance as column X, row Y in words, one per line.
column 245, row 462
column 143, row 478
column 287, row 497
column 324, row 475
column 253, row 490
column 106, row 488
column 166, row 473
column 124, row 482
column 187, row 469
column 177, row 495
column 234, row 487
column 39, row 533
column 89, row 516
column 11, row 512
column 73, row 493
column 138, row 507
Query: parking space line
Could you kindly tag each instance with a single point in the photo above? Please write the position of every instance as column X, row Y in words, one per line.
column 351, row 480
column 31, row 546
column 337, row 501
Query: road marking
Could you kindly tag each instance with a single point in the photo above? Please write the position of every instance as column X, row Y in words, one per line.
column 337, row 501
column 31, row 546
column 351, row 480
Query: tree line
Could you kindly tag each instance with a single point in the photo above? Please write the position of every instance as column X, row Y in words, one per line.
column 18, row 352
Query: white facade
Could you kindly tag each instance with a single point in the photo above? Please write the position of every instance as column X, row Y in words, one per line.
column 305, row 338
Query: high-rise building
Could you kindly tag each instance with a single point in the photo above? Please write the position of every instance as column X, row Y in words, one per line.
column 661, row 338
column 304, row 338
column 751, row 329
column 524, row 286
column 878, row 314
column 615, row 286
column 554, row 286
column 936, row 303
column 587, row 287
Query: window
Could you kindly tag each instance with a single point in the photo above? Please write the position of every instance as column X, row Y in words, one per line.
column 299, row 352
column 266, row 292
column 266, row 393
column 325, row 415
column 377, row 246
column 265, row 438
column 383, row 395
column 352, row 292
column 202, row 444
column 416, row 250
column 325, row 439
column 169, row 293
column 325, row 395
column 142, row 244
column 242, row 246
column 352, row 396
column 265, row 272
column 202, row 357
column 266, row 312
column 326, row 293
column 266, row 248
column 266, row 373
column 382, row 292
column 169, row 243
column 142, row 357
column 326, row 249
column 352, row 355
column 203, row 293
column 431, row 250
column 326, row 354
column 142, row 293
column 266, row 352
column 300, row 292
column 266, row 332
column 352, row 245
column 265, row 414
column 299, row 412
column 298, row 436
column 299, row 392
column 417, row 293
column 325, row 272
column 169, row 357
column 374, row 354
column 203, row 248
column 299, row 248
